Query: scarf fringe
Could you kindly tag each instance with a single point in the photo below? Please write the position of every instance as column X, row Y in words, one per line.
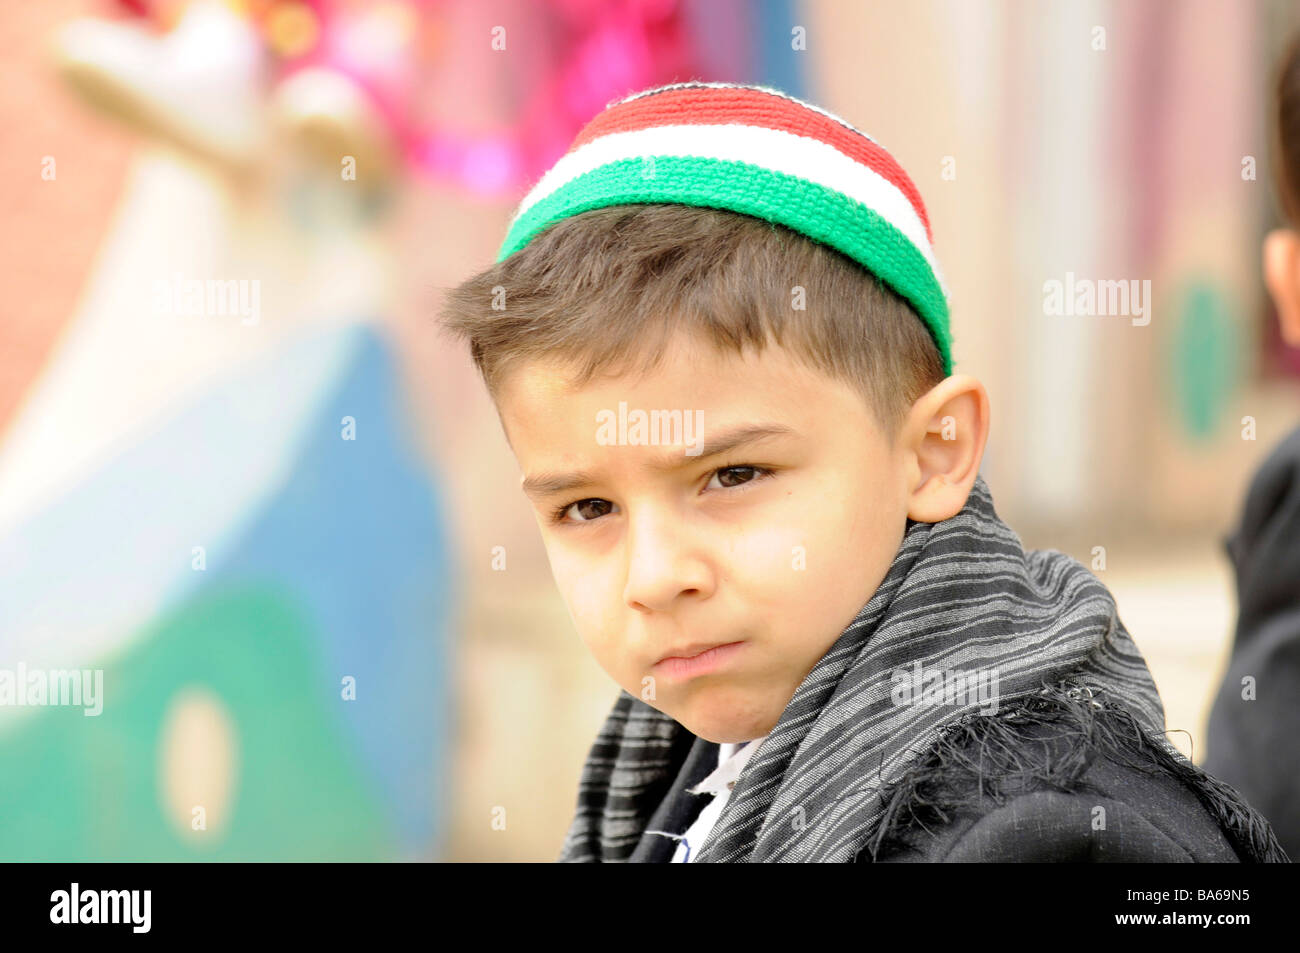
column 992, row 758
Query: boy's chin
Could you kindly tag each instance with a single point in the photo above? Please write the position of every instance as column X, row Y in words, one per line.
column 721, row 717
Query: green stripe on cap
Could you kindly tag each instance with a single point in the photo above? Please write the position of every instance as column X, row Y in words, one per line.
column 813, row 210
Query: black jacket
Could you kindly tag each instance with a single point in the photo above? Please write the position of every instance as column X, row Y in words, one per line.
column 1254, row 744
column 1052, row 779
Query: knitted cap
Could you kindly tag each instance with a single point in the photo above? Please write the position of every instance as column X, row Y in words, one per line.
column 760, row 152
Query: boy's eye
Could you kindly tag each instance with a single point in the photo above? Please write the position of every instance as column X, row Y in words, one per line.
column 593, row 508
column 584, row 509
column 731, row 481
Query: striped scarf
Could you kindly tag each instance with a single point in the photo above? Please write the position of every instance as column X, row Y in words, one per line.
column 961, row 597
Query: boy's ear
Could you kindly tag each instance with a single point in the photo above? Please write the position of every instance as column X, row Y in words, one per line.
column 943, row 438
column 1281, row 255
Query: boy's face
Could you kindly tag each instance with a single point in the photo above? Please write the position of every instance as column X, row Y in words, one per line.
column 775, row 544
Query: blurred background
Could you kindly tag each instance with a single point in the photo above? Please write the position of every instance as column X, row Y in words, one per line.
column 242, row 476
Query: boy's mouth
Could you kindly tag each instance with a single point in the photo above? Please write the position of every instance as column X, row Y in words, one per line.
column 693, row 650
column 696, row 659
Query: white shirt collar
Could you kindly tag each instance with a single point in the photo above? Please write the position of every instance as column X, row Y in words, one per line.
column 732, row 759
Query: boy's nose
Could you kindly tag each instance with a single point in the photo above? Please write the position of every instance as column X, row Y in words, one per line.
column 662, row 564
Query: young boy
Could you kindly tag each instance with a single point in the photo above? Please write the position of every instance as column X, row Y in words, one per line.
column 717, row 339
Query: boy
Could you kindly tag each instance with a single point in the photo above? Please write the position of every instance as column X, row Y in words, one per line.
column 830, row 647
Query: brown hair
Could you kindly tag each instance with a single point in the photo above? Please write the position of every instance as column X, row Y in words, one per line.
column 1286, row 132
column 602, row 291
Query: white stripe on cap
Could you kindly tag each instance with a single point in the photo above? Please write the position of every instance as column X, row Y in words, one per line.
column 772, row 149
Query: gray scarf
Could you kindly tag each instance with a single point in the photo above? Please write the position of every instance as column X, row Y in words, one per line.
column 989, row 624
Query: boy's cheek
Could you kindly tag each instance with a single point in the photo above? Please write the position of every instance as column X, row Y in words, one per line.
column 591, row 604
column 769, row 564
column 567, row 571
column 584, row 587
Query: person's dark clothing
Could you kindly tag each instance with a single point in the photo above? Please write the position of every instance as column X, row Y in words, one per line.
column 1058, row 780
column 1253, row 741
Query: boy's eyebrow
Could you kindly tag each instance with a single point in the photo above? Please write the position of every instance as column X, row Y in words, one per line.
column 546, row 484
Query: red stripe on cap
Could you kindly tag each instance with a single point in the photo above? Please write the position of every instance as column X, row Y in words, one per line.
column 750, row 107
